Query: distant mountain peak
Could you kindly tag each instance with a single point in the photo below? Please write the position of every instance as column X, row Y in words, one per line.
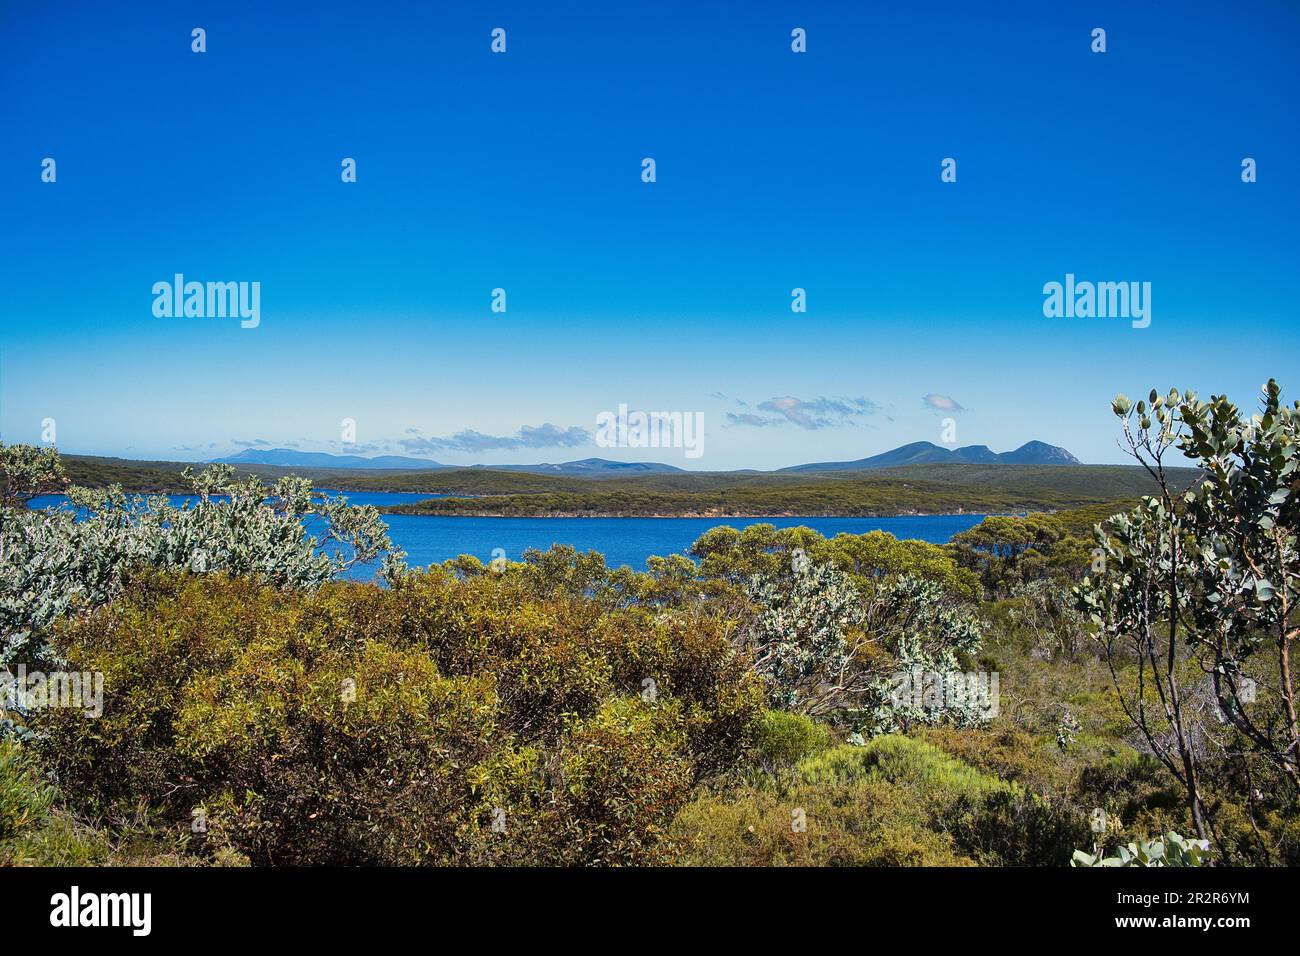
column 928, row 453
column 913, row 453
column 292, row 458
column 982, row 454
column 1039, row 453
column 593, row 467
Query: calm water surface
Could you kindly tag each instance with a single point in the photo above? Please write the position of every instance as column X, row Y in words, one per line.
column 429, row 540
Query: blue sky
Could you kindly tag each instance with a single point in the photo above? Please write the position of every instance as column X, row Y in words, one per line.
column 522, row 171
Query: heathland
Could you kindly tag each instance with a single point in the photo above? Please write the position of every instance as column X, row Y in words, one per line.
column 1108, row 683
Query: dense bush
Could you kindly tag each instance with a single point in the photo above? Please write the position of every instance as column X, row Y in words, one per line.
column 24, row 798
column 896, row 801
column 355, row 724
column 1171, row 850
column 782, row 739
column 867, row 823
column 60, row 560
column 766, row 551
column 556, row 711
column 1197, row 592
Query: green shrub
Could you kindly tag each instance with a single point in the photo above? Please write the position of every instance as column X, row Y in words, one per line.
column 904, row 761
column 33, row 831
column 1172, row 850
column 57, row 562
column 24, row 799
column 782, row 738
column 867, row 823
column 625, row 775
column 360, row 725
column 897, row 801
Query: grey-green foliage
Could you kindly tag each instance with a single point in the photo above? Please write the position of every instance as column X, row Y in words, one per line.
column 1047, row 609
column 27, row 471
column 1171, row 850
column 1219, row 564
column 826, row 645
column 54, row 561
column 1067, row 730
column 925, row 630
column 802, row 634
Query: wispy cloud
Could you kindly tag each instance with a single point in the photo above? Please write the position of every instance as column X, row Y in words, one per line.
column 195, row 448
column 941, row 403
column 749, row 418
column 811, row 414
column 353, row 447
column 724, row 397
column 528, row 436
column 468, row 440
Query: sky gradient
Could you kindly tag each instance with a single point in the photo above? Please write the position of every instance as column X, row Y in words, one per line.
column 522, row 171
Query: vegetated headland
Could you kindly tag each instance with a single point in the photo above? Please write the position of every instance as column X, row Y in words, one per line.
column 923, row 489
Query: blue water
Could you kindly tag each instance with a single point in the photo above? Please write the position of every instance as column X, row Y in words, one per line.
column 624, row 540
column 433, row 539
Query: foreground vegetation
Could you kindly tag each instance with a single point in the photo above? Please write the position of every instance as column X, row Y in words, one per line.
column 778, row 698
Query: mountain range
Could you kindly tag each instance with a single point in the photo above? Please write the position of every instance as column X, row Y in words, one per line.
column 928, row 453
column 917, row 453
column 291, row 458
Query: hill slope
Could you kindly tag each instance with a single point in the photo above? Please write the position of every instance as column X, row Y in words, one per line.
column 925, row 452
column 291, row 458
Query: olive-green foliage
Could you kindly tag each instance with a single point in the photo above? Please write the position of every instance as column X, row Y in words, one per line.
column 1012, row 550
column 1009, row 550
column 895, row 801
column 26, row 472
column 625, row 771
column 782, row 739
column 869, row 823
column 905, row 761
column 830, row 812
column 357, row 724
column 994, row 821
column 33, row 831
column 762, row 549
column 24, row 799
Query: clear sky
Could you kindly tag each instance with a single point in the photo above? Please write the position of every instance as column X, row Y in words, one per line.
column 523, row 171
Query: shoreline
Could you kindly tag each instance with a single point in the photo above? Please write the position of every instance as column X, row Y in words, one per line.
column 710, row 516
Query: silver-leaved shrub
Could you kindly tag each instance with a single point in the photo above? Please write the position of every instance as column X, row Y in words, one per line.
column 829, row 646
column 56, row 561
